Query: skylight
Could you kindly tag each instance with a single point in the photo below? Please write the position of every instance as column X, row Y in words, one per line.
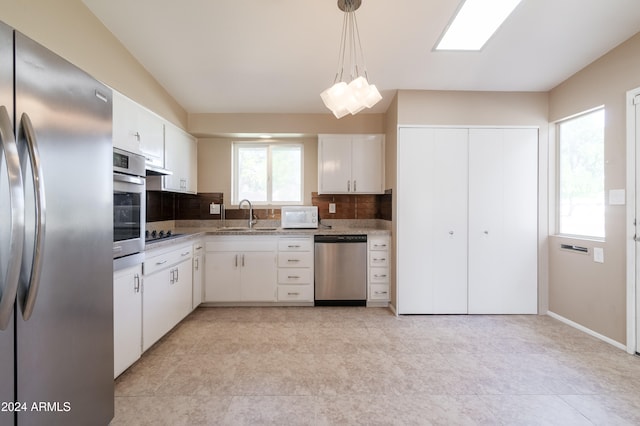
column 475, row 23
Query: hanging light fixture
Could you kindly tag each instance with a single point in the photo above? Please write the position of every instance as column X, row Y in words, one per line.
column 343, row 98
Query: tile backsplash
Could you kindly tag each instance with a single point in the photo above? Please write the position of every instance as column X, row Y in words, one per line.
column 163, row 206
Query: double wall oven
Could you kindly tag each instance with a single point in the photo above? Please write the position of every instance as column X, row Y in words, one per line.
column 129, row 213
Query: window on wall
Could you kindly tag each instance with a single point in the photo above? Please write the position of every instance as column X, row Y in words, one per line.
column 267, row 173
column 581, row 196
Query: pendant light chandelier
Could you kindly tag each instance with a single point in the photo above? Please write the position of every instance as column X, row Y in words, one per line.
column 343, row 98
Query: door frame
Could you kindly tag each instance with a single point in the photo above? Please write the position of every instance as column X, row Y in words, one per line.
column 632, row 292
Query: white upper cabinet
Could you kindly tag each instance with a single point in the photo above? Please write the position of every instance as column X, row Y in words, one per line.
column 181, row 152
column 351, row 164
column 138, row 130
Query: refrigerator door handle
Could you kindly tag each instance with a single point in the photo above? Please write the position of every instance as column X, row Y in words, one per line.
column 40, row 208
column 16, row 236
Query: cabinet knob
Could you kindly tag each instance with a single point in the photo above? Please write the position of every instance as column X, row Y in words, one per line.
column 486, row 232
column 451, row 232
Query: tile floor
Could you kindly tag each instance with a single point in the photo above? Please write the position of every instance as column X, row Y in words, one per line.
column 344, row 366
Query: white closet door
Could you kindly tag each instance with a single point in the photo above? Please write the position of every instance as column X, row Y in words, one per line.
column 432, row 221
column 503, row 209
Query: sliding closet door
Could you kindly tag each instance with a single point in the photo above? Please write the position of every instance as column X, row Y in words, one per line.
column 432, row 221
column 503, row 211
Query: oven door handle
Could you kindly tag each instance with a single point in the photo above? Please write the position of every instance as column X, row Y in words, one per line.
column 128, row 179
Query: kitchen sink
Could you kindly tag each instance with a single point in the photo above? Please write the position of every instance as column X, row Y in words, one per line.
column 246, row 229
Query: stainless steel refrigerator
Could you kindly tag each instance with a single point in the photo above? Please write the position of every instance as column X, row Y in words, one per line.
column 56, row 240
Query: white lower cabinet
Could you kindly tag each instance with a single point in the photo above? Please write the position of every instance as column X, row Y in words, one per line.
column 127, row 318
column 467, row 220
column 295, row 269
column 198, row 273
column 167, row 292
column 240, row 269
column 378, row 270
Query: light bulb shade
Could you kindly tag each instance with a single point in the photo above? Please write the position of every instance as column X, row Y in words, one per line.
column 335, row 98
column 359, row 88
column 373, row 97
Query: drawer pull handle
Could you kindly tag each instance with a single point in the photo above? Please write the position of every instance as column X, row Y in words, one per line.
column 293, row 260
column 294, row 246
column 293, row 294
column 184, row 254
column 379, row 245
column 161, row 263
column 380, row 292
column 380, row 276
column 293, row 277
column 382, row 259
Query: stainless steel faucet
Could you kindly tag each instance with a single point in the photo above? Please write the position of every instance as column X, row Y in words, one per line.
column 251, row 221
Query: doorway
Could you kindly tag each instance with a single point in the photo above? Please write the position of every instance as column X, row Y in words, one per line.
column 633, row 221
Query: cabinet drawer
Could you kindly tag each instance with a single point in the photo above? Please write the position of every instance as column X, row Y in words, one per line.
column 162, row 261
column 295, row 293
column 378, row 243
column 379, row 258
column 295, row 276
column 379, row 292
column 295, row 259
column 379, row 275
column 295, row 244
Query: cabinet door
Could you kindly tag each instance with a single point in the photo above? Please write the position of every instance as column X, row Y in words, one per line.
column 222, row 272
column 259, row 276
column 192, row 175
column 182, row 290
column 197, row 280
column 432, row 221
column 334, row 164
column 503, row 211
column 127, row 318
column 156, row 304
column 367, row 164
column 176, row 159
column 151, row 131
column 125, row 123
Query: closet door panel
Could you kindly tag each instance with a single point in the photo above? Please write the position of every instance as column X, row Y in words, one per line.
column 415, row 257
column 449, row 204
column 503, row 221
column 432, row 221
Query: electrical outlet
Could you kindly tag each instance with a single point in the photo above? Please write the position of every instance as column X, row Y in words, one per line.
column 214, row 208
column 332, row 207
column 598, row 254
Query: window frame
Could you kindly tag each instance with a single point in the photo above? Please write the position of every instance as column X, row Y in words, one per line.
column 269, row 145
column 558, row 174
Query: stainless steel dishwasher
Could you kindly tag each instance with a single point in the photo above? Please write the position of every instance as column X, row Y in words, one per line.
column 340, row 270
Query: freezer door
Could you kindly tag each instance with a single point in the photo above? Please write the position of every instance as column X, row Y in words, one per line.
column 6, row 225
column 65, row 343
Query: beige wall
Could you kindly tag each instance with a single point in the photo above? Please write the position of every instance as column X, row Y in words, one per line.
column 214, row 166
column 445, row 108
column 216, row 125
column 69, row 29
column 588, row 293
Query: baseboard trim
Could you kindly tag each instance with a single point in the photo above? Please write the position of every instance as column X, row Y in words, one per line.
column 587, row 330
column 393, row 309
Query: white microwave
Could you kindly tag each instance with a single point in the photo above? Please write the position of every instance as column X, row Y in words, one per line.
column 299, row 217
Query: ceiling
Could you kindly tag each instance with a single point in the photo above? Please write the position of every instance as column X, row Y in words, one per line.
column 276, row 56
